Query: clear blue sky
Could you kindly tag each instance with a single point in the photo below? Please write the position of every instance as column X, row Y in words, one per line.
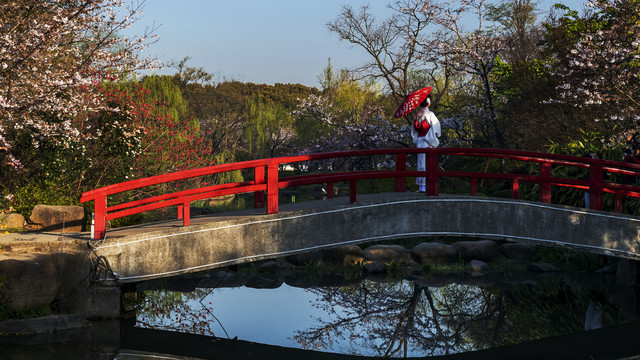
column 259, row 41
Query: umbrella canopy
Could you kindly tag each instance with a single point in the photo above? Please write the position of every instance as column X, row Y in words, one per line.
column 412, row 101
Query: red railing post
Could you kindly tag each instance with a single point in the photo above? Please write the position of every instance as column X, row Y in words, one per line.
column 258, row 178
column 266, row 183
column 545, row 186
column 272, row 188
column 432, row 173
column 401, row 165
column 100, row 209
column 186, row 214
column 329, row 190
column 595, row 189
column 353, row 191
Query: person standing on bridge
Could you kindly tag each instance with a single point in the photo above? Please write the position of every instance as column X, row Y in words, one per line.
column 425, row 133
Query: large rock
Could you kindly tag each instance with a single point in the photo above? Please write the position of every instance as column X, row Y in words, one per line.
column 58, row 218
column 483, row 250
column 388, row 253
column 478, row 266
column 542, row 267
column 376, row 267
column 342, row 256
column 11, row 221
column 518, row 251
column 304, row 258
column 435, row 253
column 28, row 281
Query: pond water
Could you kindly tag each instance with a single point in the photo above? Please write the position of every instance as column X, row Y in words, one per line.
column 415, row 316
column 264, row 311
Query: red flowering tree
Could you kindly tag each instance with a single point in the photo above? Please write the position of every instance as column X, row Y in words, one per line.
column 51, row 54
column 134, row 136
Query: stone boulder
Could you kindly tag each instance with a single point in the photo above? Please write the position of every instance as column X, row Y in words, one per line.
column 434, row 253
column 478, row 266
column 376, row 267
column 11, row 221
column 542, row 267
column 388, row 253
column 304, row 258
column 518, row 251
column 483, row 250
column 342, row 256
column 58, row 218
column 28, row 281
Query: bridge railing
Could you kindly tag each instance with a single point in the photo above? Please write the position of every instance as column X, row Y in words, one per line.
column 267, row 180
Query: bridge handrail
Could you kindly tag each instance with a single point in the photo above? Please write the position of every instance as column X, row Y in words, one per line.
column 270, row 183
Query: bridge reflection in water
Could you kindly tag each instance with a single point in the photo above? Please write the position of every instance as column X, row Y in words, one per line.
column 523, row 306
column 108, row 340
column 616, row 342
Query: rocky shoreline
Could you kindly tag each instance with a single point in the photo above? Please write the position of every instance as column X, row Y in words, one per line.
column 433, row 264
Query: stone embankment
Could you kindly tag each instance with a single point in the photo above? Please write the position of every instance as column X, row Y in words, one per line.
column 377, row 259
column 69, row 219
column 49, row 271
column 431, row 264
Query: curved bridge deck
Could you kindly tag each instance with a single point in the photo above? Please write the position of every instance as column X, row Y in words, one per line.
column 165, row 249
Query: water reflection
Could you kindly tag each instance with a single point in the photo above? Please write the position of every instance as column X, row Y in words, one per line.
column 261, row 314
column 407, row 318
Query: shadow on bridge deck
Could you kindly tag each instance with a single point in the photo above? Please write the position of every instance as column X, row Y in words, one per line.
column 306, row 206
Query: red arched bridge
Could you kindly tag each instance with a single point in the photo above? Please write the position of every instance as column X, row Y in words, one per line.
column 212, row 243
column 612, row 177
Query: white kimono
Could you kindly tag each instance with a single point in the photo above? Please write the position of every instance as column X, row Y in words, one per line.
column 429, row 140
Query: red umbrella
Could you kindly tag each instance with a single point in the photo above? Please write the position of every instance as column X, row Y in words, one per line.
column 412, row 101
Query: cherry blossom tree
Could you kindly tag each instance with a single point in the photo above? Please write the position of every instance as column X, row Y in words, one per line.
column 472, row 53
column 351, row 117
column 52, row 54
column 600, row 70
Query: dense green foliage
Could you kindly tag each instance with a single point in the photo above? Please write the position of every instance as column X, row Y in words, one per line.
column 514, row 95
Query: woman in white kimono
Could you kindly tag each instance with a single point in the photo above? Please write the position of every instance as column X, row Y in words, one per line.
column 425, row 133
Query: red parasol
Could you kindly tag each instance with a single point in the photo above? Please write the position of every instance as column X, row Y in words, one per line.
column 412, row 101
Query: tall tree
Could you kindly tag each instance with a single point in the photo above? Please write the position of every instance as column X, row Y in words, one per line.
column 392, row 44
column 473, row 53
column 599, row 70
column 51, row 54
column 269, row 128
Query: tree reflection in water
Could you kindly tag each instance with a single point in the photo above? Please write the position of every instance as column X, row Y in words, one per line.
column 395, row 319
column 399, row 319
column 407, row 319
column 175, row 311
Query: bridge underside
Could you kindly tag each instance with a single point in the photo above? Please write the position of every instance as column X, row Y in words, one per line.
column 327, row 223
